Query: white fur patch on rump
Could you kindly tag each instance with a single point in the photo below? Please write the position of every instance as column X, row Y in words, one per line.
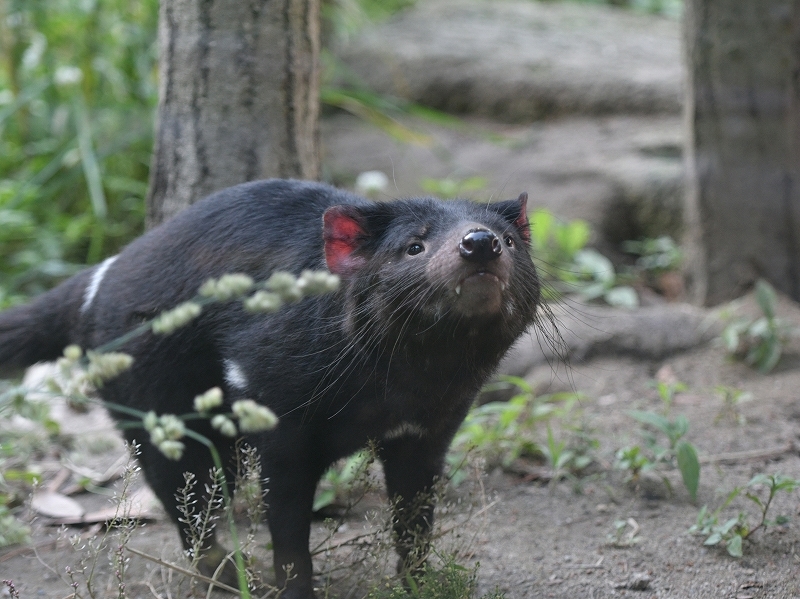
column 234, row 375
column 404, row 429
column 94, row 284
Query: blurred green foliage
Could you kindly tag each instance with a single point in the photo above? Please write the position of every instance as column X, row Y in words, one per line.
column 78, row 89
column 343, row 18
column 670, row 8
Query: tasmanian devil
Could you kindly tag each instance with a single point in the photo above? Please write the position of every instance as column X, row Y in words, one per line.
column 432, row 295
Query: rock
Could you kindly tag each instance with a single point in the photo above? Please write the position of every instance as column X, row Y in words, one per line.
column 650, row 333
column 518, row 60
column 638, row 581
column 647, row 200
column 622, row 174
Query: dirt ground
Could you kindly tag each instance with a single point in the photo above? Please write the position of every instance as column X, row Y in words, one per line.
column 531, row 538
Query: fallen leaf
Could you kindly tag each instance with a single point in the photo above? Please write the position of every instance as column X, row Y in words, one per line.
column 138, row 506
column 56, row 505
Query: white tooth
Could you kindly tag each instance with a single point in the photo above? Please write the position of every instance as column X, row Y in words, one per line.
column 458, row 289
column 502, row 286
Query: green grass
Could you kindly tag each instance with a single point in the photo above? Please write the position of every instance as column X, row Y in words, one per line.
column 77, row 99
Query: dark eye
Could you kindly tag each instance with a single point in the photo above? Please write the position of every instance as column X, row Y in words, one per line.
column 414, row 249
column 509, row 241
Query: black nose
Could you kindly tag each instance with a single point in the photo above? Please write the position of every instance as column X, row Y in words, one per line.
column 480, row 245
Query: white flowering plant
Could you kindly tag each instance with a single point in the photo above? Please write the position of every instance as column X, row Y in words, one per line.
column 79, row 374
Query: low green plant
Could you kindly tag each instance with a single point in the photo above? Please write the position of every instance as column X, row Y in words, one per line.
column 657, row 266
column 12, row 530
column 343, row 18
column 670, row 8
column 18, row 444
column 558, row 456
column 667, row 391
column 555, row 242
column 570, row 267
column 677, row 452
column 732, row 532
column 732, row 398
column 448, row 580
column 656, row 256
column 502, row 431
column 625, row 533
column 339, row 479
column 758, row 342
column 633, row 460
column 451, row 187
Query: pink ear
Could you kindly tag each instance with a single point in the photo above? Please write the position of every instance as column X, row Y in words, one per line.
column 522, row 220
column 343, row 232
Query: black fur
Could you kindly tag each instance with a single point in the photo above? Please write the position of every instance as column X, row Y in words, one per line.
column 398, row 343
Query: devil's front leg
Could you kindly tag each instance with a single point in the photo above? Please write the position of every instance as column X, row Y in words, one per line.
column 412, row 466
column 293, row 475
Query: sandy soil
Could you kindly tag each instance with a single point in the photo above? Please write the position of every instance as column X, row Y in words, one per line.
column 532, row 538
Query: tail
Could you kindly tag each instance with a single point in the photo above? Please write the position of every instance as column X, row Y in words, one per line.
column 39, row 331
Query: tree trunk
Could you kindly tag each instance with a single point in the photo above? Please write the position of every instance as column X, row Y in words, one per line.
column 238, row 97
column 743, row 150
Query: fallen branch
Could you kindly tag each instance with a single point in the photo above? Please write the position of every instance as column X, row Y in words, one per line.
column 747, row 456
column 182, row 570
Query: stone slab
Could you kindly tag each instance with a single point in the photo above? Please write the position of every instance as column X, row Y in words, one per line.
column 519, row 60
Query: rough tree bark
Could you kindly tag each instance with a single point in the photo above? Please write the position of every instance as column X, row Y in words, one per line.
column 238, row 97
column 743, row 154
column 743, row 150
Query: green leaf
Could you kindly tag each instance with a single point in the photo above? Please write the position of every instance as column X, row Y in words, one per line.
column 765, row 296
column 731, row 496
column 760, row 479
column 518, row 382
column 91, row 166
column 651, row 418
column 323, row 499
column 622, row 297
column 730, row 337
column 593, row 291
column 375, row 114
column 572, row 237
column 689, row 466
column 33, row 91
column 593, row 263
column 760, row 328
column 23, row 475
column 728, row 526
column 755, row 499
column 434, row 116
column 541, row 227
column 734, row 546
column 770, row 356
column 678, row 428
column 473, row 184
column 785, row 483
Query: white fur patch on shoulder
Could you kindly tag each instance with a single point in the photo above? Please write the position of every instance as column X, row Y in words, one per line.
column 94, row 284
column 404, row 429
column 234, row 375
